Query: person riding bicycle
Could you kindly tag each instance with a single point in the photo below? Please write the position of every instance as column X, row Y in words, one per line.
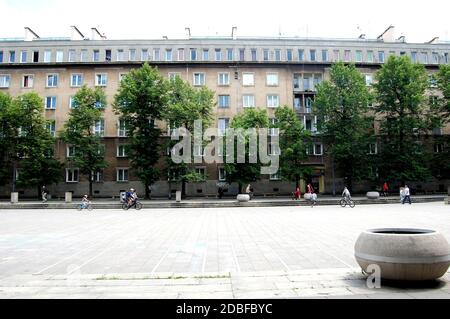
column 131, row 197
column 85, row 202
column 346, row 194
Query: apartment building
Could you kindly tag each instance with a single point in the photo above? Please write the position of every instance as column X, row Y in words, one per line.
column 244, row 72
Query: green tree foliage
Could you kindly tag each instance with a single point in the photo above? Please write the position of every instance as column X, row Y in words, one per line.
column 141, row 100
column 293, row 142
column 243, row 173
column 443, row 83
column 343, row 123
column 400, row 93
column 8, row 134
column 186, row 104
column 89, row 156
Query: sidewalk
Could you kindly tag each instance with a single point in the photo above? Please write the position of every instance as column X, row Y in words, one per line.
column 104, row 203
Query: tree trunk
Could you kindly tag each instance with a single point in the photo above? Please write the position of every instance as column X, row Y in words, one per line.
column 38, row 192
column 240, row 188
column 297, row 181
column 90, row 184
column 183, row 188
column 147, row 192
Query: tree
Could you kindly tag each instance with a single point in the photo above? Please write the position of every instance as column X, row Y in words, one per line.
column 141, row 100
column 400, row 93
column 243, row 173
column 35, row 145
column 79, row 132
column 443, row 83
column 8, row 133
column 343, row 123
column 186, row 105
column 293, row 139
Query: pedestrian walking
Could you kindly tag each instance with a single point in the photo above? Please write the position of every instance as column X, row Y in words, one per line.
column 385, row 189
column 44, row 194
column 249, row 191
column 407, row 195
column 220, row 192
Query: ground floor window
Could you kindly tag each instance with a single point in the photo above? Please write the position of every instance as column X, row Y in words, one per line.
column 72, row 175
column 122, row 174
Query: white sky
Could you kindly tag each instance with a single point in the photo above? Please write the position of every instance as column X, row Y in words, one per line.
column 419, row 21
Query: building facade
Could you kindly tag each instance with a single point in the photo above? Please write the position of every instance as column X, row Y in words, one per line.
column 243, row 73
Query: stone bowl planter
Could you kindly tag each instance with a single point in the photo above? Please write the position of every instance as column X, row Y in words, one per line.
column 307, row 196
column 373, row 195
column 243, row 197
column 404, row 254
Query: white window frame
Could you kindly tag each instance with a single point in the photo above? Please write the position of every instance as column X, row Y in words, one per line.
column 201, row 77
column 120, row 55
column 271, row 98
column 53, row 102
column 248, row 98
column 156, row 55
column 373, row 150
column 121, row 130
column 83, row 55
column 99, row 127
column 47, row 56
column 55, row 76
column 59, row 56
column 168, row 55
column 30, row 80
column 172, row 75
column 102, row 76
column 193, row 51
column 144, row 54
column 198, row 151
column 223, row 76
column 180, row 54
column 359, row 56
column 6, row 82
column 123, row 169
column 51, row 127
column 132, row 54
column 98, row 176
column 205, row 51
column 72, row 55
column 72, row 84
column 246, row 77
column 71, row 102
column 201, row 170
column 73, row 170
column 219, row 100
column 222, row 130
column 368, row 79
column 121, row 151
column 321, row 149
column 272, row 81
column 22, row 60
column 273, row 131
column 217, row 54
column 70, row 154
column 222, row 174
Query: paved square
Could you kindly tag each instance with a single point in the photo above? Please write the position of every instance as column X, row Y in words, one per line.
column 267, row 251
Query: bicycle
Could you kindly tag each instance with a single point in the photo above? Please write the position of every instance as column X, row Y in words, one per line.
column 346, row 201
column 87, row 206
column 137, row 205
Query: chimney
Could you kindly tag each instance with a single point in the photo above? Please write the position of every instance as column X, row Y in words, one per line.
column 96, row 35
column 401, row 39
column 362, row 36
column 234, row 33
column 76, row 34
column 188, row 33
column 435, row 40
column 30, row 35
column 387, row 35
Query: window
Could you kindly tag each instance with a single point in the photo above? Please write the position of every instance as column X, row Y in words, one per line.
column 156, row 55
column 272, row 79
column 316, row 80
column 199, row 79
column 381, row 56
column 99, row 127
column 223, row 79
column 273, row 101
column 169, row 55
column 424, row 57
column 47, row 56
column 248, row 79
column 72, row 55
column 306, row 83
column 414, row 56
column 308, row 105
column 108, row 55
column 72, row 104
column 59, row 56
column 438, row 148
column 27, row 81
column 373, row 149
column 198, row 150
column 52, row 80
column 193, row 54
column 201, row 171
column 121, row 151
column 1, row 56
column 266, row 54
column 144, row 55
column 369, row 79
column 218, row 55
column 224, row 101
column 50, row 102
column 101, row 79
column 223, row 124
column 324, row 55
column 121, row 129
column 312, row 55
column 172, row 75
column 180, row 54
column 230, row 54
column 273, row 131
column 122, row 174
column 96, row 55
column 132, row 54
column 347, row 55
column 120, row 55
column 12, row 56
column 289, row 55
column 273, row 148
column 318, row 149
column 445, row 58
column 97, row 176
column 205, row 55
column 70, row 151
column 76, row 80
column 51, row 127
column 276, row 176
column 301, row 54
column 23, row 56
column 370, row 56
column 435, row 58
column 83, row 55
column 359, row 56
column 254, row 55
column 222, row 174
column 336, row 55
column 277, row 55
column 72, row 175
column 249, row 100
column 241, row 54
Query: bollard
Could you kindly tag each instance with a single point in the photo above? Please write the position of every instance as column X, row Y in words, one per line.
column 14, row 198
column 68, row 197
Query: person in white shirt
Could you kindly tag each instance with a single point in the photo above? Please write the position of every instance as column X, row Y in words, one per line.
column 407, row 195
column 346, row 193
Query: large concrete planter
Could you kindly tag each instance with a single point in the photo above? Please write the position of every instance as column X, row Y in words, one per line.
column 373, row 195
column 243, row 197
column 404, row 254
column 307, row 196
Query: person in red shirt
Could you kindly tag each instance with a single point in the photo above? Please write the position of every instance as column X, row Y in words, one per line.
column 297, row 193
column 385, row 189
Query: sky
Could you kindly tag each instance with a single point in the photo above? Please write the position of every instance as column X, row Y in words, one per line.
column 418, row 21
